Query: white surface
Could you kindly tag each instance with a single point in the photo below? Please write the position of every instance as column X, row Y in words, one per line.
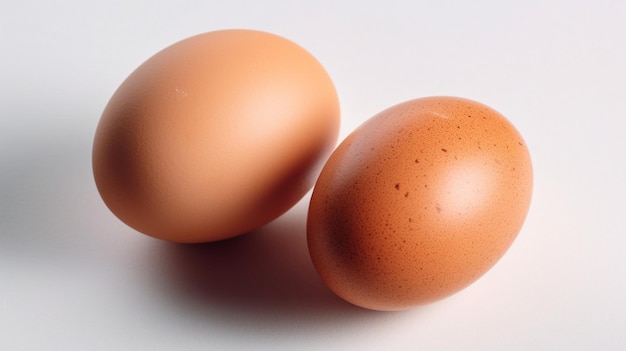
column 72, row 277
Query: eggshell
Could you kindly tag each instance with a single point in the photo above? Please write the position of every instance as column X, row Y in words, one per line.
column 215, row 135
column 418, row 203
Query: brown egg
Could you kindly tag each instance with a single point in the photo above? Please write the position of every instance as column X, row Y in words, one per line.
column 215, row 135
column 418, row 203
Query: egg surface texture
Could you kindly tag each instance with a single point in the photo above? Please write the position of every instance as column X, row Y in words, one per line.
column 215, row 135
column 418, row 202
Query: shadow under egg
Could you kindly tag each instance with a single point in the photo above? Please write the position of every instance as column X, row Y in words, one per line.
column 263, row 276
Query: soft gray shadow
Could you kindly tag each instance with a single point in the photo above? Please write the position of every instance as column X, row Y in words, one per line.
column 264, row 278
column 48, row 202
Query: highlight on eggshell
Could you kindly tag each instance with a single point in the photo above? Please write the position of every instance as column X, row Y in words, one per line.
column 418, row 202
column 215, row 136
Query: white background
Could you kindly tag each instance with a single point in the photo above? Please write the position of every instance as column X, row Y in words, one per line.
column 72, row 277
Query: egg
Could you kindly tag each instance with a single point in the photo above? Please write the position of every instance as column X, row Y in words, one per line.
column 418, row 202
column 215, row 135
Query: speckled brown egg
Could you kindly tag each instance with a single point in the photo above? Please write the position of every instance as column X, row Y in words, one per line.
column 215, row 135
column 418, row 203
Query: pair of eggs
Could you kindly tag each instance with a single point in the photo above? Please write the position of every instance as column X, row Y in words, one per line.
column 223, row 132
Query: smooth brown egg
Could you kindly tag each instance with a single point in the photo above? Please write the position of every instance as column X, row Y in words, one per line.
column 215, row 135
column 418, row 203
